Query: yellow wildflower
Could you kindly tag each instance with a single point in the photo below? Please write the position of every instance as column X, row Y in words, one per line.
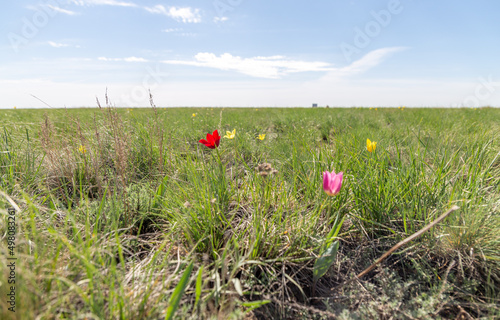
column 82, row 149
column 370, row 145
column 230, row 134
column 261, row 136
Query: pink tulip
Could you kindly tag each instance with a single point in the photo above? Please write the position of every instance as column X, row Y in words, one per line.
column 332, row 182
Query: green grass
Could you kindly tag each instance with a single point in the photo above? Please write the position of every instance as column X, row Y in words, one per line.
column 148, row 223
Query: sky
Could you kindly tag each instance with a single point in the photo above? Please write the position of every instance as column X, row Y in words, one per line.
column 250, row 53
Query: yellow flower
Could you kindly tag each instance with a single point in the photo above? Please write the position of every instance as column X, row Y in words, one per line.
column 194, row 115
column 15, row 107
column 230, row 135
column 82, row 149
column 261, row 136
column 370, row 146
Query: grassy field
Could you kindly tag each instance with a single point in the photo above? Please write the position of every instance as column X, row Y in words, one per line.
column 123, row 214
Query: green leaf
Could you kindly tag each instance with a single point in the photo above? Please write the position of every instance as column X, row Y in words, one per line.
column 178, row 292
column 198, row 286
column 254, row 304
column 335, row 230
column 326, row 259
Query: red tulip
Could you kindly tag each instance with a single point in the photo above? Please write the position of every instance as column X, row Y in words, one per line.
column 212, row 141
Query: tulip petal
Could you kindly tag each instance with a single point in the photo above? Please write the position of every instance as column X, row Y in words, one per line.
column 337, row 183
column 333, row 185
column 216, row 138
column 210, row 139
column 216, row 135
column 326, row 181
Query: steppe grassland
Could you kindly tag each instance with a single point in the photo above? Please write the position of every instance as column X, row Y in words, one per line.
column 124, row 213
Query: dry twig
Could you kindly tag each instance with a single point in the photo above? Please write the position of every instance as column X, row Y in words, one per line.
column 400, row 244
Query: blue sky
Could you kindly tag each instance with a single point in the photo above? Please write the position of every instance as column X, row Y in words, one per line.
column 65, row 53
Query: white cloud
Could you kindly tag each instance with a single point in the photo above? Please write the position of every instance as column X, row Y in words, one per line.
column 184, row 14
column 61, row 45
column 275, row 67
column 129, row 59
column 368, row 61
column 261, row 67
column 57, row 45
column 220, row 19
column 103, row 2
column 61, row 10
column 172, row 30
column 177, row 32
column 186, row 34
column 134, row 59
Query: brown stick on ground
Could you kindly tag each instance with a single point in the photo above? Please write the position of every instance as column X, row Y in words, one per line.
column 402, row 243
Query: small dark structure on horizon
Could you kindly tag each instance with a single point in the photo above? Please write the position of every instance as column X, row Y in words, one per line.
column 315, row 105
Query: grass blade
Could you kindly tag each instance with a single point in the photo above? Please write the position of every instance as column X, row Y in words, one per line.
column 175, row 299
